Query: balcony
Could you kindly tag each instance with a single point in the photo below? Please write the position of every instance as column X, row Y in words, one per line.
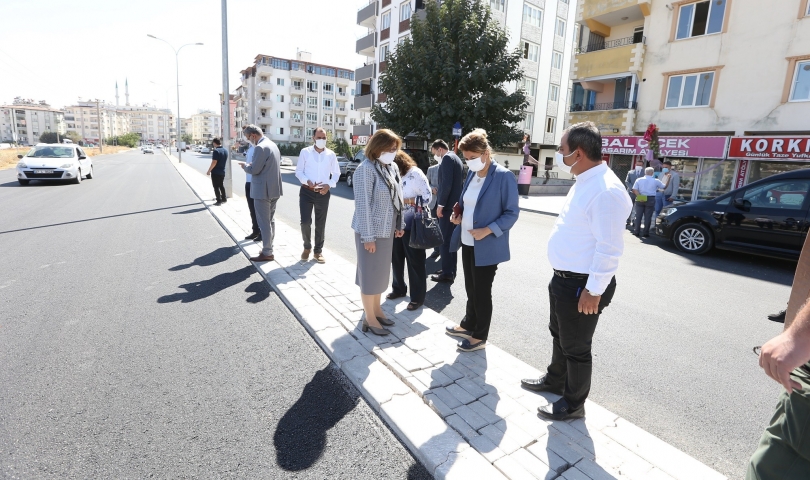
column 367, row 16
column 609, row 61
column 364, row 72
column 609, row 122
column 362, row 130
column 606, row 45
column 312, row 107
column 341, row 125
column 328, row 107
column 264, row 68
column 297, row 88
column 367, row 45
column 341, row 109
column 265, row 87
column 611, row 13
column 600, row 107
column 264, row 121
column 296, row 121
column 265, row 103
column 363, row 103
column 297, row 106
column 327, row 122
column 298, row 136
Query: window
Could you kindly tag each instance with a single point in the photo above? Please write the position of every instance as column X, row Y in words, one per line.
column 279, row 114
column 531, row 15
column 280, row 82
column 327, row 103
column 556, row 60
column 383, row 52
column 312, row 85
column 280, row 131
column 690, row 90
column 701, row 18
column 312, row 118
column 551, row 124
column 499, row 5
column 554, row 93
column 560, row 30
column 310, row 132
column 531, row 51
column 386, row 20
column 529, row 86
column 402, row 39
column 528, row 122
column 329, row 87
column 405, row 11
column 784, row 194
column 800, row 90
column 263, row 78
column 280, row 98
column 312, row 101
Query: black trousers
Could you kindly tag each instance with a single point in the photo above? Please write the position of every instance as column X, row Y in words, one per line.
column 219, row 187
column 572, row 335
column 478, row 284
column 449, row 259
column 417, row 276
column 307, row 201
column 252, row 209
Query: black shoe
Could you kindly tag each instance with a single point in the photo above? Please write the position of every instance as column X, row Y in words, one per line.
column 540, row 385
column 465, row 345
column 258, row 239
column 442, row 279
column 224, row 200
column 253, row 236
column 778, row 317
column 218, row 203
column 645, row 236
column 560, row 410
column 457, row 333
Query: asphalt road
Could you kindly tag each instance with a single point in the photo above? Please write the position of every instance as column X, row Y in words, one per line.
column 673, row 352
column 136, row 341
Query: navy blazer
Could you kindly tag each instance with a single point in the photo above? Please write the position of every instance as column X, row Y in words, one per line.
column 497, row 208
column 450, row 181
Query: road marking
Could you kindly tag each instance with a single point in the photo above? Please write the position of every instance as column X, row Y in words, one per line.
column 170, row 240
column 45, row 266
column 123, row 253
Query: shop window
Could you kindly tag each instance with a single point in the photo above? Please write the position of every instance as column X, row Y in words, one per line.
column 700, row 18
column 690, row 90
column 715, row 178
column 762, row 169
column 800, row 89
column 687, row 168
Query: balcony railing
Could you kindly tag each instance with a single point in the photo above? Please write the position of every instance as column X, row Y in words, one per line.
column 626, row 105
column 619, row 42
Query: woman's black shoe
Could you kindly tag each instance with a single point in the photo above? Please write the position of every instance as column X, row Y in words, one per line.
column 457, row 333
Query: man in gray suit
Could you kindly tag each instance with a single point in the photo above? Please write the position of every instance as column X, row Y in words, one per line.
column 265, row 188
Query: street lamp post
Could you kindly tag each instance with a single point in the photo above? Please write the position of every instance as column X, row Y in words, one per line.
column 177, row 73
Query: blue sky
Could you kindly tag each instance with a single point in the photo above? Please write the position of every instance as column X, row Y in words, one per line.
column 60, row 50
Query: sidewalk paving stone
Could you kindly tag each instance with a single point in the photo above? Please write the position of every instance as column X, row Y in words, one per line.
column 512, row 469
column 461, row 395
column 534, row 465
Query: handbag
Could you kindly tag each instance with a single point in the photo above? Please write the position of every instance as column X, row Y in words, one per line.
column 425, row 232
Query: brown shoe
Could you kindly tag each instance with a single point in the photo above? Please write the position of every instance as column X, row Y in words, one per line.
column 319, row 258
column 262, row 258
column 305, row 255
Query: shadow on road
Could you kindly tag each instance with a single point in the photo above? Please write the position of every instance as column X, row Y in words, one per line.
column 205, row 288
column 260, row 290
column 193, row 210
column 219, row 255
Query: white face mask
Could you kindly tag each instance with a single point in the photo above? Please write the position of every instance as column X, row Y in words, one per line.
column 388, row 157
column 437, row 158
column 559, row 159
column 475, row 164
column 320, row 143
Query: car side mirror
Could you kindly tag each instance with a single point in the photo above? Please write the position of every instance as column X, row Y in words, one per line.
column 82, row 157
column 742, row 204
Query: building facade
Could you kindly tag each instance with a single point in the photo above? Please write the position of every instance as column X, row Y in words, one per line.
column 151, row 123
column 288, row 99
column 205, row 126
column 727, row 83
column 25, row 120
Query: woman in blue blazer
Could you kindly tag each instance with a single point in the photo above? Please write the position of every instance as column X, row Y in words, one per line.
column 488, row 209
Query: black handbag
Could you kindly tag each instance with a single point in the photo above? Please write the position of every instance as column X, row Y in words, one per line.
column 425, row 232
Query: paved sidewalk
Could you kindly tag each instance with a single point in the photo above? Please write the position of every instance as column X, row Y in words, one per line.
column 463, row 415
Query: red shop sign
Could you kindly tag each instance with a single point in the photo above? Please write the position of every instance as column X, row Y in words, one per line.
column 741, row 173
column 770, row 148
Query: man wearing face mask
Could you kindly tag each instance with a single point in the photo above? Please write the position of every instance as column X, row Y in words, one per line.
column 265, row 188
column 646, row 189
column 584, row 250
column 318, row 171
column 448, row 194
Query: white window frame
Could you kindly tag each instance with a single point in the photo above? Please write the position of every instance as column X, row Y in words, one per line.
column 329, row 87
column 553, row 93
column 280, row 82
column 279, row 114
column 402, row 40
column 531, row 51
column 280, row 98
column 556, row 60
column 530, row 82
column 405, row 11
column 694, row 95
column 384, row 49
column 551, row 125
column 528, row 122
column 310, row 103
column 712, row 4
column 497, row 5
column 532, row 15
column 795, row 81
column 385, row 22
column 559, row 28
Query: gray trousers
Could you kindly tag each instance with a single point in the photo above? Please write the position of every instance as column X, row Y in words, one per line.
column 265, row 216
column 307, row 201
column 644, row 211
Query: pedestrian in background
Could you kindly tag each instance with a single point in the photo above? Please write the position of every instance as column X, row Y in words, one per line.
column 664, row 177
column 415, row 191
column 630, row 180
column 645, row 189
column 318, row 171
column 584, row 250
column 673, row 186
column 527, row 149
column 433, row 181
column 255, row 234
column 488, row 210
column 449, row 193
column 219, row 159
column 266, row 187
column 377, row 219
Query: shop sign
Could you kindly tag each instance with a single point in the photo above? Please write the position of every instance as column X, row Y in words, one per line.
column 359, row 140
column 707, row 147
column 770, row 148
column 742, row 171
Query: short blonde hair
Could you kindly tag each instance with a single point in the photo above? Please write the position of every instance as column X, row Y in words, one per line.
column 476, row 142
column 382, row 141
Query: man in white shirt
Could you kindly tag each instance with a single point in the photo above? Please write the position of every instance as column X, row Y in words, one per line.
column 318, row 171
column 583, row 249
column 645, row 189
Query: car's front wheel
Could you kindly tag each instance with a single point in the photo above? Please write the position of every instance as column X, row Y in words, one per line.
column 78, row 178
column 693, row 238
column 349, row 179
column 90, row 175
column 23, row 182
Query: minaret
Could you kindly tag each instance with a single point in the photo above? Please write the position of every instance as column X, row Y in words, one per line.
column 116, row 94
column 126, row 90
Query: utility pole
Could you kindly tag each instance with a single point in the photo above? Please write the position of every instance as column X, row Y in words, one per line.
column 226, row 102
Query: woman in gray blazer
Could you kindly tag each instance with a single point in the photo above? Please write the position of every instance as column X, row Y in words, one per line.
column 377, row 219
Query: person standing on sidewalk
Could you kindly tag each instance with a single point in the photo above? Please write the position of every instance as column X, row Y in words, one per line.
column 414, row 185
column 489, row 209
column 674, row 185
column 318, row 171
column 377, row 219
column 255, row 234
column 630, row 180
column 266, row 188
column 645, row 189
column 219, row 159
column 449, row 193
column 584, row 250
column 433, row 181
column 784, row 452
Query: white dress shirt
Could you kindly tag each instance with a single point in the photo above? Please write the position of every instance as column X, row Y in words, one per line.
column 588, row 236
column 317, row 167
column 248, row 161
column 648, row 185
column 469, row 202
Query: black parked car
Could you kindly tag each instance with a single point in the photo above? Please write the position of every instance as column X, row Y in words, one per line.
column 766, row 217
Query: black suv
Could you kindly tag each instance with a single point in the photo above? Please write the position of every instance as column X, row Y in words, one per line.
column 767, row 217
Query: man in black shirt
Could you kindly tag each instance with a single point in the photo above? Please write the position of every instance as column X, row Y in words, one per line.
column 219, row 159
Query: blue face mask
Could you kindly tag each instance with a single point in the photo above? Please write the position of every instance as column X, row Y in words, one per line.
column 665, row 170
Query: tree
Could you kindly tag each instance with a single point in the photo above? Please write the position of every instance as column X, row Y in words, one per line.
column 50, row 137
column 338, row 145
column 454, row 69
column 72, row 136
column 186, row 137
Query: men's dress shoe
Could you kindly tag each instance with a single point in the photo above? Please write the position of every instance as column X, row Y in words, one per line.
column 253, row 236
column 262, row 258
column 434, row 255
column 540, row 385
column 441, row 279
column 778, row 317
column 457, row 333
column 560, row 410
column 218, row 203
column 258, row 239
column 394, row 295
column 305, row 255
column 319, row 258
column 466, row 346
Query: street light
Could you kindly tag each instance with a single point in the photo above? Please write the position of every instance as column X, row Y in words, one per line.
column 177, row 72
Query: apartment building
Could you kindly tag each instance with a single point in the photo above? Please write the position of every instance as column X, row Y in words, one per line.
column 205, row 126
column 543, row 30
column 726, row 83
column 25, row 120
column 288, row 99
column 151, row 123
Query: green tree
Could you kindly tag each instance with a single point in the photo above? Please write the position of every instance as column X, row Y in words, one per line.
column 186, row 137
column 72, row 136
column 129, row 140
column 454, row 69
column 50, row 137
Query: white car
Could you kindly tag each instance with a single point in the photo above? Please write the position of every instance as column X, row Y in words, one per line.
column 286, row 162
column 148, row 150
column 54, row 162
column 205, row 150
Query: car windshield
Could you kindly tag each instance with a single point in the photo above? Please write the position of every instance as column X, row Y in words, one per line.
column 51, row 152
